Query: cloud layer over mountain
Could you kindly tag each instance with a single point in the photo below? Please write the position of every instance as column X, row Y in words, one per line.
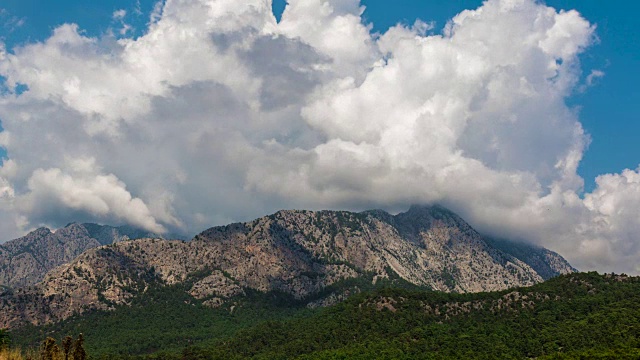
column 219, row 113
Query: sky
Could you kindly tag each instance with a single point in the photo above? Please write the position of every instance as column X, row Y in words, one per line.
column 180, row 115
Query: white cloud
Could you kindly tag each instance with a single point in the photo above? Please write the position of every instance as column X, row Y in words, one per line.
column 218, row 113
column 335, row 29
column 104, row 197
column 119, row 14
column 595, row 74
column 156, row 13
column 10, row 22
column 6, row 191
column 591, row 80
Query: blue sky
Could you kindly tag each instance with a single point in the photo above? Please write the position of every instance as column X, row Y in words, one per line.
column 609, row 109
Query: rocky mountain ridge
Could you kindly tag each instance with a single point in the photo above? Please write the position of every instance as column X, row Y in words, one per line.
column 299, row 253
column 25, row 261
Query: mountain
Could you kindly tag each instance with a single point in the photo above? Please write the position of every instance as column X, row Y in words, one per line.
column 545, row 262
column 106, row 234
column 311, row 256
column 25, row 261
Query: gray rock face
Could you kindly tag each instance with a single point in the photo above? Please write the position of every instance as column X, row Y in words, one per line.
column 545, row 262
column 296, row 252
column 25, row 261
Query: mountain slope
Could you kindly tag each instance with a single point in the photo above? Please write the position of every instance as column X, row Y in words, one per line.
column 300, row 253
column 545, row 262
column 576, row 316
column 25, row 261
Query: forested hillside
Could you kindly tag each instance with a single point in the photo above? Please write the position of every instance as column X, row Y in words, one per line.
column 566, row 317
column 582, row 315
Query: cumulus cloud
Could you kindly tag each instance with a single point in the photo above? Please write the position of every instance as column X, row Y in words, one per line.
column 6, row 191
column 101, row 196
column 219, row 113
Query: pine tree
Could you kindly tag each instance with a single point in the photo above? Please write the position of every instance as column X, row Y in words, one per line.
column 49, row 350
column 66, row 347
column 78, row 349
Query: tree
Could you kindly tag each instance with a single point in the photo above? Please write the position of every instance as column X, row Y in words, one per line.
column 78, row 349
column 49, row 350
column 5, row 339
column 66, row 347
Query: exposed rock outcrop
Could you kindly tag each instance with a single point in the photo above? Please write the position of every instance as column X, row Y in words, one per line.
column 26, row 260
column 300, row 253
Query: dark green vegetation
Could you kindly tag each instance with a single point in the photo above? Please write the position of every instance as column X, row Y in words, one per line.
column 574, row 316
column 165, row 320
column 5, row 339
column 162, row 320
column 567, row 317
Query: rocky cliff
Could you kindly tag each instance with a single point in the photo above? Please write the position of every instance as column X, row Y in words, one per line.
column 545, row 262
column 25, row 261
column 300, row 253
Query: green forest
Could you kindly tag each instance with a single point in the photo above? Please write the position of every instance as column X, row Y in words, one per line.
column 577, row 316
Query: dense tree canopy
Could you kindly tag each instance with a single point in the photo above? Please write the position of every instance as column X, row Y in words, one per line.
column 574, row 316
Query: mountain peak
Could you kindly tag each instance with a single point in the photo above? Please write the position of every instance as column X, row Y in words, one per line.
column 25, row 261
column 312, row 256
column 433, row 210
column 40, row 231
